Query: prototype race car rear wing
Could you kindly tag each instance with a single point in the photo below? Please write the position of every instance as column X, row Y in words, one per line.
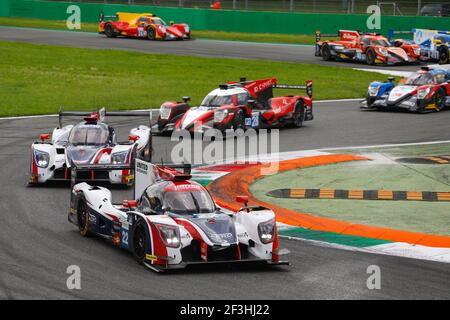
column 308, row 87
column 145, row 173
column 102, row 113
column 102, row 17
column 392, row 33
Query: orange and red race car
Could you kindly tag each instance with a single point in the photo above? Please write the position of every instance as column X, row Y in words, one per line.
column 142, row 25
column 371, row 48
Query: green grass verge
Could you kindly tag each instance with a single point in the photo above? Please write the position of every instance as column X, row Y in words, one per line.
column 198, row 34
column 39, row 79
column 425, row 217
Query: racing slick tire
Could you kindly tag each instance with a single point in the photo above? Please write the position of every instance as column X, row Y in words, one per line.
column 299, row 114
column 326, row 52
column 139, row 241
column 443, row 55
column 151, row 33
column 83, row 216
column 370, row 56
column 109, row 31
column 239, row 123
column 439, row 99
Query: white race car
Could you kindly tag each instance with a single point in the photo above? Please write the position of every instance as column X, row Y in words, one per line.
column 91, row 141
column 173, row 222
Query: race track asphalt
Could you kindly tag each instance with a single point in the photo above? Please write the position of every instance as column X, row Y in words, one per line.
column 37, row 243
column 199, row 47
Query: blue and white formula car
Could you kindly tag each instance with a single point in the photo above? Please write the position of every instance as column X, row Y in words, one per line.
column 423, row 91
column 173, row 222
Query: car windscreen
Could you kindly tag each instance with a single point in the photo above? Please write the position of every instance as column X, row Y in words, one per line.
column 89, row 135
column 188, row 202
column 381, row 42
column 212, row 100
column 159, row 21
column 418, row 79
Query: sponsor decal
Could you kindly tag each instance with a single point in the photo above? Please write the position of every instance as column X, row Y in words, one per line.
column 141, row 167
column 150, row 257
column 221, row 237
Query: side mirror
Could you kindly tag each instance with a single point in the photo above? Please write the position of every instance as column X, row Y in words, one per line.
column 242, row 199
column 130, row 204
column 44, row 136
column 133, row 137
column 171, row 23
column 251, row 103
column 186, row 99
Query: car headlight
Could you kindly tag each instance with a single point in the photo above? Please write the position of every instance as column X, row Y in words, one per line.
column 41, row 158
column 422, row 93
column 373, row 91
column 119, row 157
column 416, row 51
column 170, row 235
column 186, row 29
column 383, row 51
column 164, row 112
column 338, row 48
column 163, row 29
column 220, row 115
column 266, row 231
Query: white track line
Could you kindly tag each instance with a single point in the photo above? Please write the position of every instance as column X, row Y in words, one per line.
column 55, row 115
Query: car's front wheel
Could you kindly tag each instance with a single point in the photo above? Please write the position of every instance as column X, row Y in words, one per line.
column 443, row 55
column 370, row 56
column 139, row 241
column 439, row 99
column 151, row 33
column 83, row 217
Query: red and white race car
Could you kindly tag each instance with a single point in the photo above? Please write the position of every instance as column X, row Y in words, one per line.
column 239, row 105
column 142, row 25
column 173, row 222
column 371, row 48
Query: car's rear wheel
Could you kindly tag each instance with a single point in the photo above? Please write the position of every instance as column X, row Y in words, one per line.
column 370, row 56
column 439, row 99
column 151, row 33
column 109, row 31
column 83, row 217
column 139, row 241
column 443, row 55
column 299, row 114
column 326, row 52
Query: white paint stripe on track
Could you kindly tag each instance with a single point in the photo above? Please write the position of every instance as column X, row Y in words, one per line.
column 399, row 249
column 386, row 145
column 55, row 115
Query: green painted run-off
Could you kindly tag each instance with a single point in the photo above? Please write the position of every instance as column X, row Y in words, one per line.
column 224, row 20
column 330, row 237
